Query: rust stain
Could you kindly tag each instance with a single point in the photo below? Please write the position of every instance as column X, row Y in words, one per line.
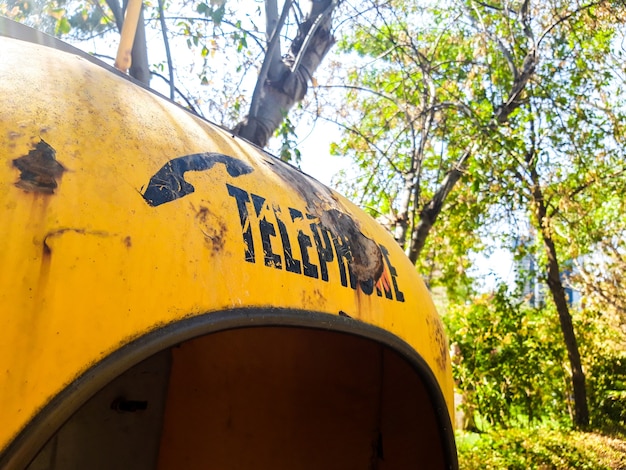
column 320, row 297
column 313, row 299
column 438, row 335
column 384, row 283
column 212, row 227
column 39, row 169
column 46, row 258
column 367, row 257
column 47, row 251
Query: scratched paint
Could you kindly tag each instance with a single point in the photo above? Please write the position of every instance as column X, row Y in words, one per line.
column 169, row 184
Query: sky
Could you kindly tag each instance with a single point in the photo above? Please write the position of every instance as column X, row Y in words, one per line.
column 315, row 150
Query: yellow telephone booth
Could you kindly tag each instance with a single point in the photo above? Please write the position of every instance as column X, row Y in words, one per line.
column 172, row 297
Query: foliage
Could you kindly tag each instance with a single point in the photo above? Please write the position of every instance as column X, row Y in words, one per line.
column 407, row 115
column 500, row 345
column 597, row 243
column 446, row 261
column 540, row 449
column 603, row 345
column 289, row 152
column 608, row 391
column 502, row 83
column 38, row 14
column 511, row 366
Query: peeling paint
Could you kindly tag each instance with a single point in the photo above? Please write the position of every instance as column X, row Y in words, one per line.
column 39, row 169
column 368, row 264
column 366, row 254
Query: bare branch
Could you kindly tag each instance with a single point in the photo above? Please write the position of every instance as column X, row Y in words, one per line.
column 180, row 93
column 168, row 53
column 565, row 18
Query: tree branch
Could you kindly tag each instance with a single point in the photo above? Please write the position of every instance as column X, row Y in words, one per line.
column 432, row 209
column 180, row 93
column 168, row 54
column 273, row 25
column 505, row 52
column 311, row 33
column 273, row 46
column 274, row 97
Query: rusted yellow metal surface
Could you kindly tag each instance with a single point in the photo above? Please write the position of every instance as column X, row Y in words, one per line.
column 122, row 213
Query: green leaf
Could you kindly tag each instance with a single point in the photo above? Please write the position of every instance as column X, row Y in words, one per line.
column 63, row 26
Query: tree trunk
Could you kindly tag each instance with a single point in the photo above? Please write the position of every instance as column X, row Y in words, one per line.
column 140, row 67
column 402, row 219
column 555, row 284
column 284, row 81
column 432, row 209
